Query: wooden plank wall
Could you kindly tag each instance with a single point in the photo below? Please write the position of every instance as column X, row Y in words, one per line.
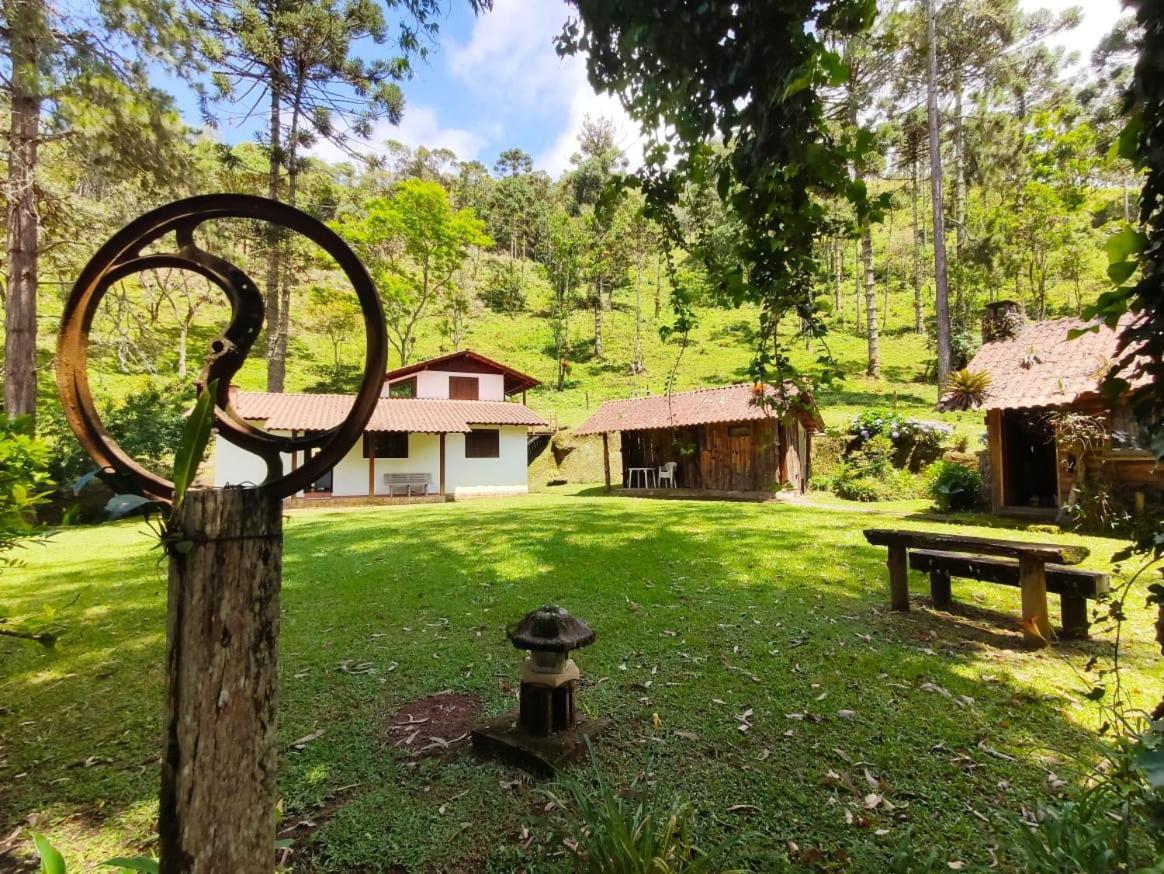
column 744, row 456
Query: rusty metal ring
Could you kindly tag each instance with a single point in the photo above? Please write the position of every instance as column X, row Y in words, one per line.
column 122, row 256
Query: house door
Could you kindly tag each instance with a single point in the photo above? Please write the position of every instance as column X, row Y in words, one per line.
column 1029, row 471
column 795, row 452
column 740, row 457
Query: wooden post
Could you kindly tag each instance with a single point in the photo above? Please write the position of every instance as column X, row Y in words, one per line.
column 606, row 458
column 371, row 450
column 1033, row 581
column 940, row 588
column 1075, row 622
column 898, row 578
column 217, row 810
column 442, row 454
column 994, row 441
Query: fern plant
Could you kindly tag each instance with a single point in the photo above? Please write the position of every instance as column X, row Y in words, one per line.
column 966, row 389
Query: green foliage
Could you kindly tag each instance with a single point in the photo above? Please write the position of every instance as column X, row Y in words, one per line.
column 412, row 244
column 193, row 442
column 52, row 862
column 954, row 486
column 146, row 423
column 870, row 474
column 758, row 73
column 916, row 442
column 24, row 478
column 1097, row 507
column 632, row 833
column 966, row 390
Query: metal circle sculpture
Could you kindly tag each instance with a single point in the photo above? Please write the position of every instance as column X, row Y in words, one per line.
column 124, row 255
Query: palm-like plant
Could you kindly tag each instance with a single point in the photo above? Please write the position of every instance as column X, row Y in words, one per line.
column 966, row 389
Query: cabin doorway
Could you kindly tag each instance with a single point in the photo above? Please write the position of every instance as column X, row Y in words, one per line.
column 1029, row 472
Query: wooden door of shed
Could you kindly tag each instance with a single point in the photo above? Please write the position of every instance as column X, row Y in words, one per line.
column 792, row 439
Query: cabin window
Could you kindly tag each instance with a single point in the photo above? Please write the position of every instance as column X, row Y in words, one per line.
column 740, row 431
column 388, row 444
column 464, row 388
column 483, row 444
column 405, row 388
column 1132, row 430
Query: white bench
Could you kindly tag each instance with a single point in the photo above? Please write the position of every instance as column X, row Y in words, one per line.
column 407, row 482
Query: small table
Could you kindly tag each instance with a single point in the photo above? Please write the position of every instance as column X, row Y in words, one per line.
column 644, row 475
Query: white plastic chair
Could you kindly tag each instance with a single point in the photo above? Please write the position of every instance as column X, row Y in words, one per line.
column 667, row 473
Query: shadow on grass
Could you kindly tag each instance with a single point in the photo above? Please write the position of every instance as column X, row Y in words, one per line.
column 704, row 611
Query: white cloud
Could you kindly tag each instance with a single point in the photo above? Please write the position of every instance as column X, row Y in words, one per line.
column 1099, row 17
column 510, row 63
column 420, row 126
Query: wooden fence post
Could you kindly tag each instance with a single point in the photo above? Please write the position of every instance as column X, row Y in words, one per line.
column 218, row 795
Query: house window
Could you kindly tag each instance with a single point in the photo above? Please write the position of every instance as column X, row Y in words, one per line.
column 1132, row 430
column 740, row 431
column 405, row 388
column 387, row 444
column 483, row 444
column 464, row 388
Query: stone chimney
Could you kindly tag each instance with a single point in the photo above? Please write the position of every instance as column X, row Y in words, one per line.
column 1002, row 320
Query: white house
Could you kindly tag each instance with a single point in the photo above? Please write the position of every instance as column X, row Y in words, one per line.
column 442, row 427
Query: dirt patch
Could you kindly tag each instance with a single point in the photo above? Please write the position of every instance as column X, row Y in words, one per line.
column 434, row 725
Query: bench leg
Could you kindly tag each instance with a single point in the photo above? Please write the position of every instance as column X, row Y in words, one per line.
column 940, row 589
column 898, row 563
column 1075, row 619
column 1033, row 581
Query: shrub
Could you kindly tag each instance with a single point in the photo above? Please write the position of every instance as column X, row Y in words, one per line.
column 869, row 474
column 966, row 389
column 916, row 442
column 954, row 486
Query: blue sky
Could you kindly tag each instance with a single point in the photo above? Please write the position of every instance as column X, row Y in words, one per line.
column 495, row 81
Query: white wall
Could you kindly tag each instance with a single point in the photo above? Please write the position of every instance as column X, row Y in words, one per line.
column 504, row 475
column 464, row 477
column 435, row 384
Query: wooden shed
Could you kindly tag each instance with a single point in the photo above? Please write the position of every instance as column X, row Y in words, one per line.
column 1045, row 391
column 731, row 439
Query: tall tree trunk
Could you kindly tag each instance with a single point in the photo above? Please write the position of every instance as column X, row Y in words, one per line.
column 598, row 352
column 918, row 320
column 959, row 170
column 858, row 281
column 276, row 366
column 838, row 276
column 637, row 356
column 872, row 334
column 28, row 22
column 941, row 285
column 658, row 284
column 283, row 331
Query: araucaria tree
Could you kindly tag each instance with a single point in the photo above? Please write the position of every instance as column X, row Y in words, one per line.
column 299, row 62
column 412, row 243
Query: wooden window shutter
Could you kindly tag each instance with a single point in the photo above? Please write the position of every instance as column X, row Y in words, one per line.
column 464, row 388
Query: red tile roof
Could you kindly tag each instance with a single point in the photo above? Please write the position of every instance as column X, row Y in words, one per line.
column 703, row 406
column 1042, row 368
column 310, row 412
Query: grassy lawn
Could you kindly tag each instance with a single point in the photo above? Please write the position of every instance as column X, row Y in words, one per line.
column 746, row 628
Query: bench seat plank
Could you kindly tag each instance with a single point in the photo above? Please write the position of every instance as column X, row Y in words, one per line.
column 1051, row 552
column 1061, row 580
column 1073, row 585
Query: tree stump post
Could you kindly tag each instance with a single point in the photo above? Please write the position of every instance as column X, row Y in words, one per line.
column 218, row 797
column 606, row 458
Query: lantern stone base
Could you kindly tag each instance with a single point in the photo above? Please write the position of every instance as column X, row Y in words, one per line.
column 543, row 756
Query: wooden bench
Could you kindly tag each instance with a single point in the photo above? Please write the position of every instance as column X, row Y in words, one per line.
column 1032, row 560
column 407, row 482
column 1074, row 586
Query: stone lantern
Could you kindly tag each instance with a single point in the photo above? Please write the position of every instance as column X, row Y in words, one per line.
column 546, row 730
column 549, row 676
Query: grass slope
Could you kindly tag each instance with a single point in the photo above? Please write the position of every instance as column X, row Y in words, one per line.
column 704, row 612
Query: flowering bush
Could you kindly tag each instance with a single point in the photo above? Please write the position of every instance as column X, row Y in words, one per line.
column 869, row 474
column 916, row 442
